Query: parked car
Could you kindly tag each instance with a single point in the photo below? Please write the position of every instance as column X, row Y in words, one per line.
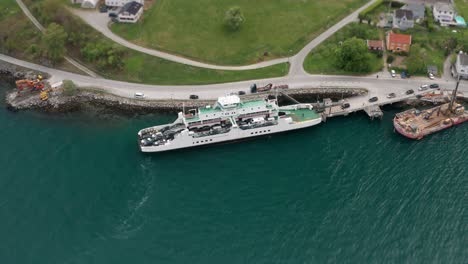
column 373, row 99
column 410, row 91
column 113, row 15
column 241, row 93
column 423, row 87
column 103, row 9
column 391, row 95
column 193, row 96
column 139, row 95
column 434, row 85
column 345, row 105
column 431, row 76
column 393, row 73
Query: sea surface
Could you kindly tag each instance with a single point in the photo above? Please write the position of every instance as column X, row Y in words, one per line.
column 75, row 189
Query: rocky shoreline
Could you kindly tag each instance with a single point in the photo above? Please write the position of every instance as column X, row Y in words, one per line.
column 84, row 98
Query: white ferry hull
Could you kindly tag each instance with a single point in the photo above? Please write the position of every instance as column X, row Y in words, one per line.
column 184, row 140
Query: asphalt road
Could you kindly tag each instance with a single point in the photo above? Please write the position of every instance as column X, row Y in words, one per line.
column 377, row 87
column 99, row 21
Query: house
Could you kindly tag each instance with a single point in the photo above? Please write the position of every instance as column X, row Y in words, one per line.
column 461, row 65
column 89, row 3
column 398, row 42
column 375, row 45
column 119, row 3
column 130, row 12
column 443, row 13
column 403, row 19
column 418, row 10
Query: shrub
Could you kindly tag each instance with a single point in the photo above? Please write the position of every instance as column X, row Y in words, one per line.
column 390, row 58
column 69, row 88
column 234, row 18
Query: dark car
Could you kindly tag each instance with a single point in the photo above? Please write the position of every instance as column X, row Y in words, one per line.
column 193, row 96
column 391, row 95
column 113, row 15
column 410, row 91
column 345, row 105
column 241, row 93
column 373, row 99
column 103, row 9
column 434, row 85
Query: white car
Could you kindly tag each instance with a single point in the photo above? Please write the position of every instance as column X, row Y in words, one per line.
column 393, row 73
column 139, row 95
column 423, row 87
column 431, row 76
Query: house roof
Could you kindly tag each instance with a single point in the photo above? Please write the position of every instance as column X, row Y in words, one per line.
column 375, row 44
column 418, row 9
column 463, row 59
column 131, row 8
column 444, row 7
column 399, row 38
column 400, row 13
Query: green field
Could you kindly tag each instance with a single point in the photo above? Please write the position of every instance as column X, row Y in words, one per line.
column 195, row 28
column 321, row 59
column 137, row 67
column 16, row 32
column 462, row 8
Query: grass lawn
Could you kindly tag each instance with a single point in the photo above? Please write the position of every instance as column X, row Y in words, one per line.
column 433, row 43
column 462, row 8
column 321, row 59
column 140, row 67
column 195, row 28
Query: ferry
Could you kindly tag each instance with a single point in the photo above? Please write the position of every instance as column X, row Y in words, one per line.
column 228, row 119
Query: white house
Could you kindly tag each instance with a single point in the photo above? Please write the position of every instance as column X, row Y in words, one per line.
column 119, row 3
column 461, row 65
column 130, row 12
column 443, row 13
column 89, row 3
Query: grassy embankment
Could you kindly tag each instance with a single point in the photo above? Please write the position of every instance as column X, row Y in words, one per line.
column 134, row 66
column 462, row 8
column 322, row 59
column 20, row 39
column 195, row 28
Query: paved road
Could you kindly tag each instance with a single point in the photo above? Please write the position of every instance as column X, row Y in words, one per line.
column 377, row 87
column 297, row 61
column 99, row 21
column 42, row 29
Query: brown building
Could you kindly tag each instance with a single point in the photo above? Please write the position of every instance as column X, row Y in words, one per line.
column 375, row 45
column 398, row 42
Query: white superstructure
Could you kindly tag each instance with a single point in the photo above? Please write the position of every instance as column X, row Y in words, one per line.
column 229, row 119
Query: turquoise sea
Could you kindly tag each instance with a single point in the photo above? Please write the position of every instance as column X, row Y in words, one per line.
column 75, row 189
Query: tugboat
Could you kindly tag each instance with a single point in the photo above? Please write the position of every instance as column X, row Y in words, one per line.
column 416, row 124
column 228, row 120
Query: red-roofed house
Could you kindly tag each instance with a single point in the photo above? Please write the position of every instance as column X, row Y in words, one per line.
column 375, row 44
column 398, row 42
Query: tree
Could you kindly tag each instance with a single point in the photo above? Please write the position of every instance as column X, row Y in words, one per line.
column 69, row 88
column 234, row 18
column 417, row 60
column 352, row 56
column 54, row 41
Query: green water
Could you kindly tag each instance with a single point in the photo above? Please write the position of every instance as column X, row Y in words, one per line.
column 75, row 189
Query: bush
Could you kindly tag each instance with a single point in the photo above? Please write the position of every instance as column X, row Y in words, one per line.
column 69, row 88
column 364, row 15
column 234, row 18
column 390, row 58
column 429, row 19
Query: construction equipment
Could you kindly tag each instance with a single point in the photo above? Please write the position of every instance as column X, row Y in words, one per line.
column 35, row 85
column 44, row 95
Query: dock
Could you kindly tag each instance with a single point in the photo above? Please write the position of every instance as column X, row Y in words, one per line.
column 372, row 109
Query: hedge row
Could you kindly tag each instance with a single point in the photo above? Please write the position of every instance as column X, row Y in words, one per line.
column 363, row 14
